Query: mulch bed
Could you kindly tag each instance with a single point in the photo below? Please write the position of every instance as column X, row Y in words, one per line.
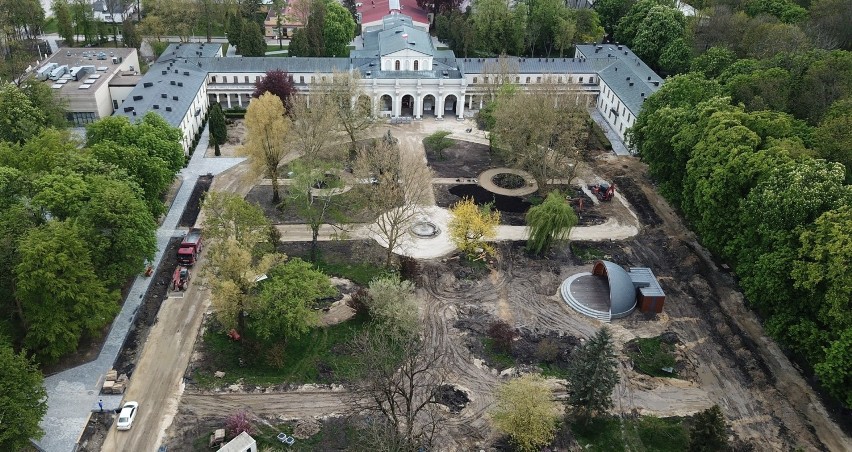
column 463, row 159
column 193, row 206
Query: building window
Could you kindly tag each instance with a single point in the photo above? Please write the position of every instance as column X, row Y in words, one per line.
column 486, row 79
column 538, row 79
column 396, row 65
column 581, row 79
column 416, row 65
column 247, row 79
column 560, row 79
column 214, row 79
column 517, row 80
column 591, row 80
column 475, row 79
column 301, row 79
column 80, row 118
column 313, row 79
column 528, row 79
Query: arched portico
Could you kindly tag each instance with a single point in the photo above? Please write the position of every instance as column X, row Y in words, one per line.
column 385, row 105
column 429, row 104
column 406, row 105
column 452, row 105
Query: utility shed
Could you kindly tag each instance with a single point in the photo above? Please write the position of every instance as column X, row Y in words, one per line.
column 241, row 443
column 650, row 296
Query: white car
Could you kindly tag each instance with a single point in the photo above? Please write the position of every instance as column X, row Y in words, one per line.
column 128, row 413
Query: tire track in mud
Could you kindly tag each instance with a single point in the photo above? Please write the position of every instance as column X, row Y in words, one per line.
column 441, row 310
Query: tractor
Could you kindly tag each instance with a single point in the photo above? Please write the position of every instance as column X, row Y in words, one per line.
column 180, row 279
column 603, row 191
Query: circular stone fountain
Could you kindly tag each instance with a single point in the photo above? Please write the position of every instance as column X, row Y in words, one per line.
column 424, row 229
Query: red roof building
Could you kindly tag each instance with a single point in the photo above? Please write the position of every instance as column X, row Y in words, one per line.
column 372, row 11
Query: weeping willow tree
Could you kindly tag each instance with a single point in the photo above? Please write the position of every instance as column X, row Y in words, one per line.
column 549, row 222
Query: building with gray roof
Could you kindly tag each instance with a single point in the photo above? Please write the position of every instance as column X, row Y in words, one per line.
column 402, row 74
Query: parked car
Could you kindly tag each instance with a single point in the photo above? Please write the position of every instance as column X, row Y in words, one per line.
column 126, row 416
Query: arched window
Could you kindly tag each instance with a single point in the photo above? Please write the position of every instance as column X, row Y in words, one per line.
column 396, row 65
column 416, row 65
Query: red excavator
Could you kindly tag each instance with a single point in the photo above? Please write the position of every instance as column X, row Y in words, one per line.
column 180, row 279
column 603, row 191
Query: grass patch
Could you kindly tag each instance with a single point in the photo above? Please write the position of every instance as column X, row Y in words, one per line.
column 553, row 370
column 644, row 433
column 587, row 253
column 600, row 136
column 275, row 47
column 360, row 273
column 303, row 357
column 650, row 355
column 50, row 26
column 601, row 434
column 495, row 355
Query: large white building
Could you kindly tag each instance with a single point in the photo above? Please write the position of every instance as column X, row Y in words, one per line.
column 402, row 74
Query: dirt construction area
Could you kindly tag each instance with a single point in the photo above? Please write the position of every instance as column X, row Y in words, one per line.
column 727, row 359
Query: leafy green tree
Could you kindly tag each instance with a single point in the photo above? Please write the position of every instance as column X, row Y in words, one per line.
column 61, row 195
column 708, row 431
column 821, row 266
column 15, row 221
column 526, row 412
column 630, row 24
column 661, row 29
column 549, row 222
column 130, row 34
column 24, row 399
column 285, row 301
column 712, row 62
column 235, row 29
column 338, row 30
column 393, row 306
column 592, row 376
column 785, row 10
column 44, row 99
column 118, row 228
column 676, row 57
column 19, row 118
column 587, row 25
column 316, row 209
column 611, row 11
column 61, row 297
column 835, row 372
column 252, row 43
column 833, row 136
column 218, row 127
column 229, row 216
column 767, row 89
column 438, row 142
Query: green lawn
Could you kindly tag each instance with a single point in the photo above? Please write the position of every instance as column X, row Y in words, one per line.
column 50, row 26
column 274, row 47
column 647, row 433
column 587, row 253
column 301, row 357
column 497, row 356
column 650, row 355
column 359, row 273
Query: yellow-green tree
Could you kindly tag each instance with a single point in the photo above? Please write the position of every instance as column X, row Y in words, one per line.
column 471, row 225
column 526, row 412
column 268, row 129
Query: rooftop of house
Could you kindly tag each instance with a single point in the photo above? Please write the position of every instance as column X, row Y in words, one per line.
column 167, row 89
column 98, row 67
column 373, row 11
column 627, row 75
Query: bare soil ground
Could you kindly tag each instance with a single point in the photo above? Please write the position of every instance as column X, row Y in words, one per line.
column 463, row 159
column 285, row 213
column 765, row 400
column 193, row 207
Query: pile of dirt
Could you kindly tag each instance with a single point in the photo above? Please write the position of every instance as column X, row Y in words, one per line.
column 193, row 207
column 453, row 398
column 146, row 315
column 96, row 431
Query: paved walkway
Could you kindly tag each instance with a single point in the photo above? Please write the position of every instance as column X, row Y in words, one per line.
column 487, row 176
column 618, row 145
column 73, row 394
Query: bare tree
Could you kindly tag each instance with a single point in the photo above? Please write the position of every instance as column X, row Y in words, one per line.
column 396, row 185
column 400, row 385
column 314, row 195
column 542, row 129
column 353, row 109
column 499, row 72
column 314, row 122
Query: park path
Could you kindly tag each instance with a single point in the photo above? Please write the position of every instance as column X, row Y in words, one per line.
column 74, row 393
